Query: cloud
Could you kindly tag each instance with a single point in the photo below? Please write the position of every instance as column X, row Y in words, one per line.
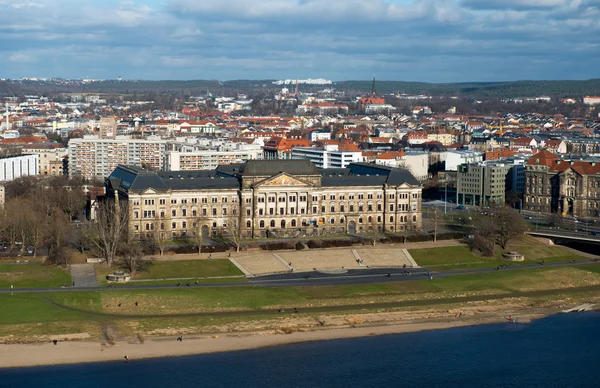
column 426, row 40
column 22, row 57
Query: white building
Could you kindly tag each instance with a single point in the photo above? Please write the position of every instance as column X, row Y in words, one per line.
column 591, row 100
column 456, row 158
column 208, row 159
column 328, row 157
column 93, row 157
column 14, row 167
column 417, row 163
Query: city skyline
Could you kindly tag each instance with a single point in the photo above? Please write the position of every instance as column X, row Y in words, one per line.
column 429, row 41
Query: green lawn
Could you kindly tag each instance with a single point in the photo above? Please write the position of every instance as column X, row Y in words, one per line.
column 178, row 269
column 520, row 281
column 453, row 258
column 190, row 268
column 33, row 308
column 32, row 276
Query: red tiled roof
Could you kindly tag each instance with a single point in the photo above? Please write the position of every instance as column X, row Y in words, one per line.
column 543, row 158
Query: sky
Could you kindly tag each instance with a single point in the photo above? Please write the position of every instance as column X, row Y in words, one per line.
column 404, row 40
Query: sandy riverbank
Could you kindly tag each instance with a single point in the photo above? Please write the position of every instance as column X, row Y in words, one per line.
column 71, row 352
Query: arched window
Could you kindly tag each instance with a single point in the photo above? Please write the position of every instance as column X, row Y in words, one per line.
column 370, row 219
column 184, row 225
column 262, row 224
column 414, row 218
column 293, row 223
column 360, row 220
column 391, row 218
column 272, row 223
column 282, row 224
column 332, row 221
column 378, row 218
column 342, row 220
column 248, row 224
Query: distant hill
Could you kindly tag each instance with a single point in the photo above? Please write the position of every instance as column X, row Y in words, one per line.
column 194, row 87
column 481, row 89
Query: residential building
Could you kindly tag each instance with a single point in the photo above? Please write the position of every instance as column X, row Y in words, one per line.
column 52, row 157
column 94, row 157
column 286, row 198
column 323, row 108
column 556, row 146
column 14, row 167
column 281, row 148
column 207, row 159
column 591, row 100
column 329, row 156
column 566, row 187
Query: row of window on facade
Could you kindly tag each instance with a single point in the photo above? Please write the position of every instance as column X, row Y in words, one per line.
column 184, row 213
column 271, row 199
column 175, row 201
column 282, row 211
column 149, row 226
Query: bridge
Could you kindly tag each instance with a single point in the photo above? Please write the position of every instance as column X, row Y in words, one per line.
column 564, row 235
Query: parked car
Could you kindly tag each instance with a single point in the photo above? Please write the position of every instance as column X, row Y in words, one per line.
column 460, row 207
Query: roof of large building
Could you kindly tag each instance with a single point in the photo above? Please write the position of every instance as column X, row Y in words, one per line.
column 274, row 167
column 226, row 177
column 135, row 179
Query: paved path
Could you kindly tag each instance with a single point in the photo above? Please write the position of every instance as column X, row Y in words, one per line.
column 84, row 275
column 353, row 276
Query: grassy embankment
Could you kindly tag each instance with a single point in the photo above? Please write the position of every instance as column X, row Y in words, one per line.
column 221, row 309
column 453, row 258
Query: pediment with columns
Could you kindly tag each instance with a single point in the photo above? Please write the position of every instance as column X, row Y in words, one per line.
column 282, row 180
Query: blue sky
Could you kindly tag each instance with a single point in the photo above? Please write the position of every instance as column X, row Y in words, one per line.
column 425, row 40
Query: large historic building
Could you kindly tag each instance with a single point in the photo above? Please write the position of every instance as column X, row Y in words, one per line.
column 567, row 187
column 268, row 199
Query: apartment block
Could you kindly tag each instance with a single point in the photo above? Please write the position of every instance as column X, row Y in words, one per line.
column 94, row 157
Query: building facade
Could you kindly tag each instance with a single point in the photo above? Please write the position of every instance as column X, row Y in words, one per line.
column 290, row 198
column 482, row 183
column 93, row 157
column 207, row 159
column 327, row 157
column 51, row 157
column 14, row 167
column 566, row 187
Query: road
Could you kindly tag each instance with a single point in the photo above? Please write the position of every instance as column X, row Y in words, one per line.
column 361, row 276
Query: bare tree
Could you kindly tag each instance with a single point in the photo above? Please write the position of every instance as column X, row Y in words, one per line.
column 409, row 227
column 508, row 223
column 58, row 228
column 484, row 238
column 36, row 223
column 72, row 202
column 235, row 231
column 159, row 239
column 197, row 223
column 132, row 258
column 375, row 230
column 108, row 230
